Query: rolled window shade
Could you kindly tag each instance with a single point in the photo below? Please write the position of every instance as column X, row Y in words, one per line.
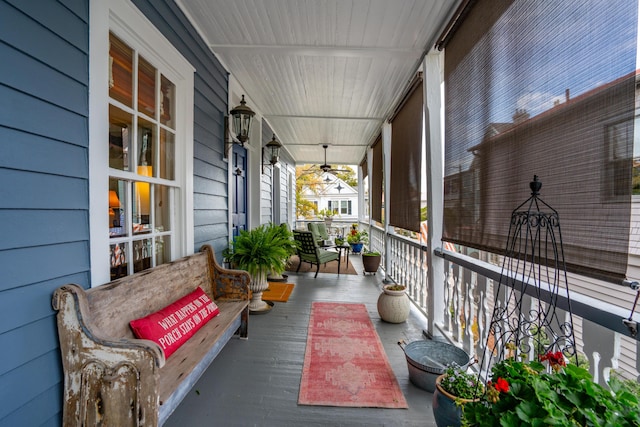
column 377, row 181
column 364, row 167
column 406, row 164
column 547, row 89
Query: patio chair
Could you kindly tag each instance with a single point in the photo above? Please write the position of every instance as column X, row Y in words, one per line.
column 319, row 230
column 308, row 251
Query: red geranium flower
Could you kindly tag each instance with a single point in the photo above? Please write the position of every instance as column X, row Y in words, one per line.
column 556, row 360
column 502, row 385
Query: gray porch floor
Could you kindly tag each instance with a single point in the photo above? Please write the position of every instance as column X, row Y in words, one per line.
column 256, row 382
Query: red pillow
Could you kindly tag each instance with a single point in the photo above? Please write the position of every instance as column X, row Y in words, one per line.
column 176, row 323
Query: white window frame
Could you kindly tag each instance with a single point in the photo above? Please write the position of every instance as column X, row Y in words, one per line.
column 338, row 203
column 129, row 24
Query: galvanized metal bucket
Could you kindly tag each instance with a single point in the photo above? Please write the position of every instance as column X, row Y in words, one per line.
column 426, row 360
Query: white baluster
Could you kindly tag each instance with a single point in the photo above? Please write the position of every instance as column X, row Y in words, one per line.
column 596, row 367
column 617, row 346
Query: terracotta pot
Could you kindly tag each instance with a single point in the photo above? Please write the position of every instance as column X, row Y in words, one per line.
column 445, row 410
column 393, row 306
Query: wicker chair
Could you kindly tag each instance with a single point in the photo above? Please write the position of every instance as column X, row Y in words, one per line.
column 309, row 251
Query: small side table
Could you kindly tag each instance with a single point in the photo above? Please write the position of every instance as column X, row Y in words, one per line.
column 346, row 249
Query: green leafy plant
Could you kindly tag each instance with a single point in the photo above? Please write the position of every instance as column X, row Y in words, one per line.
column 370, row 253
column 460, row 383
column 560, row 394
column 357, row 236
column 284, row 235
column 327, row 213
column 632, row 386
column 264, row 249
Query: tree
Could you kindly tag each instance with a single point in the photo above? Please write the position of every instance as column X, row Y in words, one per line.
column 307, row 177
column 348, row 176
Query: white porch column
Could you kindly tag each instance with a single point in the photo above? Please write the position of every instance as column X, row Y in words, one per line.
column 386, row 161
column 434, row 136
column 360, row 189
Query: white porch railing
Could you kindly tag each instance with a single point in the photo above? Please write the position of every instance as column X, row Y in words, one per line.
column 469, row 297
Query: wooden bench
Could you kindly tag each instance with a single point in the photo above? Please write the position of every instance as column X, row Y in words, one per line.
column 112, row 378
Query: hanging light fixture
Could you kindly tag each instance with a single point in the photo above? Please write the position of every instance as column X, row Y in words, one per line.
column 273, row 152
column 242, row 116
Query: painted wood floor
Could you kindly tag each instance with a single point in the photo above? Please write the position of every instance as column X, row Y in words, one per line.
column 256, row 382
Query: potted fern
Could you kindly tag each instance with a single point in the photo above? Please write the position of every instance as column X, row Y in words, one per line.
column 260, row 251
column 285, row 231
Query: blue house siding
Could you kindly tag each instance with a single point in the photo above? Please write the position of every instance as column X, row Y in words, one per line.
column 266, row 179
column 210, row 106
column 267, row 189
column 44, row 203
column 287, row 172
column 284, row 193
column 44, row 217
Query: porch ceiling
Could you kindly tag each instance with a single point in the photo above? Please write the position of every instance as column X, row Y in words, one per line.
column 321, row 71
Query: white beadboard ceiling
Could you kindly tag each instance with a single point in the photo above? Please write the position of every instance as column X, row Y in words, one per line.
column 321, row 71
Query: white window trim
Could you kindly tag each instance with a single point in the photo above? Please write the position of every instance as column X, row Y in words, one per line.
column 126, row 21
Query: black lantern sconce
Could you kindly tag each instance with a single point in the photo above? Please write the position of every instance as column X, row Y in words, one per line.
column 241, row 116
column 273, row 152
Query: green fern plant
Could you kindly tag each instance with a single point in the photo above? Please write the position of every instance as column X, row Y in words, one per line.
column 263, row 249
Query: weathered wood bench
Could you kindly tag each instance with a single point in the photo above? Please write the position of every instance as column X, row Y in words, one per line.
column 112, row 378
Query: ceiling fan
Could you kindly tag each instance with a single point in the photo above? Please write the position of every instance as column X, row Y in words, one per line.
column 327, row 167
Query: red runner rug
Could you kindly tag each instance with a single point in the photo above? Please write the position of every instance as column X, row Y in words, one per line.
column 345, row 363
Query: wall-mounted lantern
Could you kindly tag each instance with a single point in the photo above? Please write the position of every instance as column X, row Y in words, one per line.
column 241, row 117
column 273, row 152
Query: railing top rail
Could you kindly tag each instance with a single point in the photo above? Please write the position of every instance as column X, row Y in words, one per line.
column 409, row 241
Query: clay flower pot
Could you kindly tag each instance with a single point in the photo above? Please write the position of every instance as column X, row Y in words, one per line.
column 393, row 304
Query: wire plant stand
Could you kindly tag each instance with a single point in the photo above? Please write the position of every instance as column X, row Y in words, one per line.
column 526, row 321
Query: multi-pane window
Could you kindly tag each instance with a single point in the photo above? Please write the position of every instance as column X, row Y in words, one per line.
column 343, row 207
column 142, row 153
